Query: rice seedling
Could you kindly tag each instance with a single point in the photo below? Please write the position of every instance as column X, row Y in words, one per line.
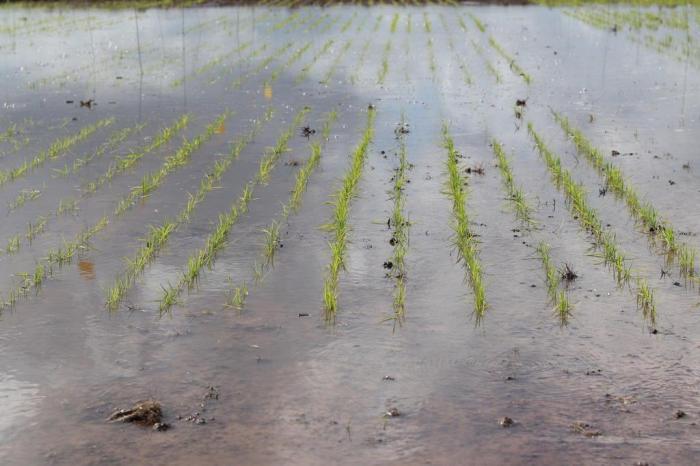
column 159, row 235
column 463, row 239
column 489, row 66
column 123, row 164
column 272, row 241
column 55, row 257
column 55, row 150
column 13, row 244
column 339, row 227
column 151, row 181
column 401, row 226
column 262, row 65
column 511, row 61
column 426, row 23
column 293, row 59
column 462, row 65
column 360, row 61
column 35, row 228
column 431, row 58
column 643, row 212
column 155, row 240
column 348, row 23
column 213, row 63
column 23, row 197
column 306, row 69
column 331, row 70
column 394, row 22
column 113, row 142
column 516, row 195
column 216, row 241
column 562, row 305
column 604, row 241
column 377, row 23
column 481, row 26
column 381, row 76
column 238, row 296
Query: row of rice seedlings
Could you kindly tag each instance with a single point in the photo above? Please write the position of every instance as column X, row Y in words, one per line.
column 15, row 135
column 427, row 24
column 327, row 27
column 401, row 226
column 681, row 51
column 283, row 23
column 306, row 69
column 511, row 61
column 217, row 240
column 236, row 84
column 230, row 67
column 238, row 294
column 296, row 56
column 477, row 22
column 336, row 61
column 115, row 140
column 462, row 65
column 35, row 228
column 125, row 163
column 394, row 23
column 159, row 235
column 213, row 63
column 24, row 196
column 152, row 180
column 377, row 23
column 604, row 241
column 70, row 205
column 346, row 25
column 55, row 150
column 360, row 61
column 489, row 66
column 516, row 195
column 384, row 70
column 45, row 268
column 562, row 305
column 431, row 58
column 463, row 239
column 339, row 227
column 523, row 212
column 642, row 211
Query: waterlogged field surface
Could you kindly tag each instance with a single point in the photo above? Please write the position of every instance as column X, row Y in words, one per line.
column 397, row 234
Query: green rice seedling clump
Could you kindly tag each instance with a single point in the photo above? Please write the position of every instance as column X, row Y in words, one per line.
column 463, row 238
column 339, row 227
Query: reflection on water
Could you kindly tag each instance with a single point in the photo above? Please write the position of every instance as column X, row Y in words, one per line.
column 87, row 269
column 18, row 400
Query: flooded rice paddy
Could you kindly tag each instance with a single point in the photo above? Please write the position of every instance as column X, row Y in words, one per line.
column 417, row 234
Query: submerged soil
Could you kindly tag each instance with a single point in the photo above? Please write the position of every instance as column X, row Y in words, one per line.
column 274, row 382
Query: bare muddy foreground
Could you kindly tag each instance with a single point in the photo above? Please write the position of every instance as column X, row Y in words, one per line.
column 350, row 235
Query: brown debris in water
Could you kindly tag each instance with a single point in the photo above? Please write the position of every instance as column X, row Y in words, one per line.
column 506, row 422
column 585, row 429
column 146, row 413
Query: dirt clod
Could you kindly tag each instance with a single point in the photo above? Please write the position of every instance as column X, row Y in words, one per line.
column 393, row 412
column 477, row 169
column 506, row 422
column 147, row 413
column 568, row 274
column 307, row 131
column 585, row 429
column 161, row 426
column 680, row 414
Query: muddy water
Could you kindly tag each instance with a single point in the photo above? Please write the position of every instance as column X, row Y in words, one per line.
column 291, row 388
